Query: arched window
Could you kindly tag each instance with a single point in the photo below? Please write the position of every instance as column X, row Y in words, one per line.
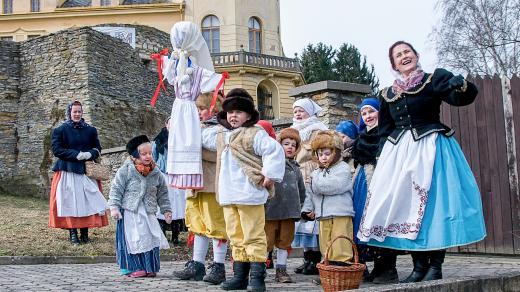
column 211, row 33
column 255, row 35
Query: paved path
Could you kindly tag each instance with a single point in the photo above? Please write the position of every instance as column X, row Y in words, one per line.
column 104, row 277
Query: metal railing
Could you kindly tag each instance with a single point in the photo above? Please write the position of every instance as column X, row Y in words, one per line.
column 247, row 58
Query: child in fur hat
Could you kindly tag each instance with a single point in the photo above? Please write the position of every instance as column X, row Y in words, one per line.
column 248, row 163
column 284, row 208
column 204, row 215
column 329, row 197
column 137, row 189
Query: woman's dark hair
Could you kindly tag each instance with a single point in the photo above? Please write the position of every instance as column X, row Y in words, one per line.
column 395, row 45
column 76, row 102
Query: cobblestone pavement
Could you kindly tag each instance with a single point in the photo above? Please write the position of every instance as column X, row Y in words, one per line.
column 105, row 277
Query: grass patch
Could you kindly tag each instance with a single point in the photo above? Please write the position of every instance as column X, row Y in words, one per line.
column 24, row 231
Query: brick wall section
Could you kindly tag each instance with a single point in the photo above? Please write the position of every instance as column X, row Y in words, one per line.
column 9, row 94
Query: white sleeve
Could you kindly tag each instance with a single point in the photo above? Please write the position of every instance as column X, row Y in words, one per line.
column 273, row 156
column 209, row 81
column 209, row 138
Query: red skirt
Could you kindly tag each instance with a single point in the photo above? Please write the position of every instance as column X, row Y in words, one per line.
column 71, row 222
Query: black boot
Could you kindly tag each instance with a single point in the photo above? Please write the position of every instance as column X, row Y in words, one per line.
column 269, row 262
column 306, row 261
column 162, row 223
column 435, row 270
column 176, row 228
column 73, row 236
column 240, row 277
column 311, row 268
column 216, row 275
column 420, row 267
column 193, row 271
column 84, row 235
column 388, row 275
column 257, row 277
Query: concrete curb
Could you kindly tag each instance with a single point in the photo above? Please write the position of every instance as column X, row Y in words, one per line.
column 505, row 282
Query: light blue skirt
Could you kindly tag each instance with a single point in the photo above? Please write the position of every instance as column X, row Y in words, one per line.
column 148, row 261
column 453, row 214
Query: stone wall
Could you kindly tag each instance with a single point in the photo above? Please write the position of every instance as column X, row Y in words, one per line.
column 339, row 100
column 39, row 77
column 9, row 95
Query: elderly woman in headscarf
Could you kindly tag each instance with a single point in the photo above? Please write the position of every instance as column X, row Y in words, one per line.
column 190, row 70
column 423, row 196
column 305, row 120
column 76, row 200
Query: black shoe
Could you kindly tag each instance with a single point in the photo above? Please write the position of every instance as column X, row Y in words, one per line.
column 306, row 262
column 73, row 236
column 240, row 277
column 311, row 269
column 216, row 275
column 84, row 235
column 193, row 271
column 257, row 277
column 388, row 272
column 420, row 267
column 436, row 261
column 269, row 262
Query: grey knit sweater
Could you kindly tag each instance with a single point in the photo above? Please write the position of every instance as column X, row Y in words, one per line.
column 129, row 188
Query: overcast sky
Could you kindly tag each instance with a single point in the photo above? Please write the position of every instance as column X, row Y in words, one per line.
column 370, row 25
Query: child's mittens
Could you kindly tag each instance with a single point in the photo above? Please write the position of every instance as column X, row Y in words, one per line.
column 168, row 217
column 116, row 215
column 307, row 216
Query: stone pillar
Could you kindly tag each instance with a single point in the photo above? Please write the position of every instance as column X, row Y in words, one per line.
column 339, row 100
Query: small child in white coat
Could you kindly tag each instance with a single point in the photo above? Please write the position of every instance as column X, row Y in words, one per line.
column 248, row 163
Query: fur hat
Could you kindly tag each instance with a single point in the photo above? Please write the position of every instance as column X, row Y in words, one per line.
column 327, row 139
column 291, row 134
column 238, row 99
column 134, row 143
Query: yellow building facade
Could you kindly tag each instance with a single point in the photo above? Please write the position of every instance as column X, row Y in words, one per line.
column 243, row 35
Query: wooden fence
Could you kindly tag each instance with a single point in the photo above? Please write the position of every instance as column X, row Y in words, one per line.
column 489, row 134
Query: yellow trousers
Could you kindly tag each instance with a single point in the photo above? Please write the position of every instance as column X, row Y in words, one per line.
column 245, row 229
column 204, row 216
column 341, row 250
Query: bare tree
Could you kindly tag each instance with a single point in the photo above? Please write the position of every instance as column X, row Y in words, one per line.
column 479, row 36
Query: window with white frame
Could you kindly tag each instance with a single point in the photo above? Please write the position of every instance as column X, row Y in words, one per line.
column 8, row 7
column 255, row 35
column 211, row 33
column 35, row 5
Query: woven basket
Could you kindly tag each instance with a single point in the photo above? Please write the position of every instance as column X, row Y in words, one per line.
column 338, row 278
column 96, row 170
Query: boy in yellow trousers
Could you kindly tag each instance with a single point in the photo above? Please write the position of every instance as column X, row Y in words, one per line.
column 248, row 164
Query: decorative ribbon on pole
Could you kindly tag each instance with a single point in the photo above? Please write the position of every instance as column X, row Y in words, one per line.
column 225, row 75
column 160, row 64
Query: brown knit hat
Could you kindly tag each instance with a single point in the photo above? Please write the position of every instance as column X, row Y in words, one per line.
column 291, row 134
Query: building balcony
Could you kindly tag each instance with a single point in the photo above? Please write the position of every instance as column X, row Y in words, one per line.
column 240, row 58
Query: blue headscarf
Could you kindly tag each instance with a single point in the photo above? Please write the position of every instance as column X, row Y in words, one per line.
column 348, row 128
column 81, row 123
column 370, row 102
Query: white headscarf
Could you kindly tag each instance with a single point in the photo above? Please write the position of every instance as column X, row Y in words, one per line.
column 308, row 105
column 187, row 42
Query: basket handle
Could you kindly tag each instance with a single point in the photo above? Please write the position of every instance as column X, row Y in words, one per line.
column 354, row 248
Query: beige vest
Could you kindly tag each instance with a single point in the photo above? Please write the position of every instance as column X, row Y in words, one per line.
column 241, row 146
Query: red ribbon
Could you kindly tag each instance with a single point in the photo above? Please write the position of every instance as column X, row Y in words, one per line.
column 191, row 239
column 160, row 64
column 225, row 75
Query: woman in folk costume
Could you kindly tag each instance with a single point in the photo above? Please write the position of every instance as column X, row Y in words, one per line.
column 176, row 196
column 190, row 70
column 204, row 215
column 138, row 189
column 305, row 120
column 423, row 196
column 76, row 200
column 364, row 152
